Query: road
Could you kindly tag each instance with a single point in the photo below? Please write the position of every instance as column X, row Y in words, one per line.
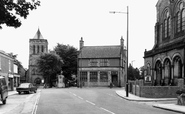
column 90, row 101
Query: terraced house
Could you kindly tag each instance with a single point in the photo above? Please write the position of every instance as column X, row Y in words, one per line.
column 165, row 63
column 101, row 65
column 6, row 68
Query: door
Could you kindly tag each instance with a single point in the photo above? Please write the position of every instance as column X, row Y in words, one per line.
column 114, row 76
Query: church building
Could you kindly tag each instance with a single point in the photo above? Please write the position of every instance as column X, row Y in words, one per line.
column 37, row 45
column 165, row 62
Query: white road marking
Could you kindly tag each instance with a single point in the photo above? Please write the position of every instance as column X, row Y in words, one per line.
column 36, row 105
column 80, row 97
column 89, row 102
column 107, row 110
column 74, row 94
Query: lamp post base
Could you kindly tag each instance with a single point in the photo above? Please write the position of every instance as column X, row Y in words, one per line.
column 126, row 89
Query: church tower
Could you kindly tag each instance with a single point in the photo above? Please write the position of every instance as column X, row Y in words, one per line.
column 37, row 46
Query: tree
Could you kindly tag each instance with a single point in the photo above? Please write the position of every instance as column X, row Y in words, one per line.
column 133, row 73
column 49, row 65
column 11, row 11
column 69, row 55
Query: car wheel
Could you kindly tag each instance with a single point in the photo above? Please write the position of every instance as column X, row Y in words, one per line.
column 35, row 91
column 19, row 92
column 4, row 101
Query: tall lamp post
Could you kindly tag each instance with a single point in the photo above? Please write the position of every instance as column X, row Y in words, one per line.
column 127, row 44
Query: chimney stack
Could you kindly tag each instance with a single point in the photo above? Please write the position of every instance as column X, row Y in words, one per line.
column 122, row 42
column 81, row 43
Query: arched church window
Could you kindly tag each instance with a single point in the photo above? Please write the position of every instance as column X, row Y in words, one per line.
column 177, row 69
column 33, row 71
column 167, row 24
column 148, row 69
column 167, row 71
column 183, row 19
column 180, row 18
column 42, row 48
column 33, row 49
column 38, row 49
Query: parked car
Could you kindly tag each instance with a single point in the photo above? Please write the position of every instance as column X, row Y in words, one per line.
column 26, row 88
column 3, row 90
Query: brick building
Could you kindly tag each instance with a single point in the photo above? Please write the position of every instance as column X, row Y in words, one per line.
column 100, row 65
column 37, row 45
column 7, row 68
column 165, row 63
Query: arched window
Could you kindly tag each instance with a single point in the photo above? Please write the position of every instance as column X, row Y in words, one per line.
column 33, row 71
column 158, row 69
column 178, row 22
column 42, row 48
column 33, row 49
column 167, row 71
column 38, row 49
column 177, row 68
column 148, row 69
column 166, row 24
column 180, row 18
column 183, row 19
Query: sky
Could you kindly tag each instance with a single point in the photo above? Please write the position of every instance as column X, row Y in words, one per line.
column 66, row 21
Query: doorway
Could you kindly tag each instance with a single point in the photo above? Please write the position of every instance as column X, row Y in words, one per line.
column 114, row 77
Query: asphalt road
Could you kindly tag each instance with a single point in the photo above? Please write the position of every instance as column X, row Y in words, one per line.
column 90, row 101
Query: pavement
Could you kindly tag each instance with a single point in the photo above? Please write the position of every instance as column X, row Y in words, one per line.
column 12, row 92
column 171, row 107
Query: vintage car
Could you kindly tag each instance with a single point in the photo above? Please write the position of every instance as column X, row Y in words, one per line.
column 26, row 88
column 3, row 90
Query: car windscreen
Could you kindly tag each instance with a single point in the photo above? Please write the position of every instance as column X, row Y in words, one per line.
column 24, row 85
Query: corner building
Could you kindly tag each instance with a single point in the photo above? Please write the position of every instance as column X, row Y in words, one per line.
column 37, row 46
column 98, row 66
column 165, row 63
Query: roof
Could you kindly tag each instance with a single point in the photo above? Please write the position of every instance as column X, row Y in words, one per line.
column 100, row 52
column 38, row 35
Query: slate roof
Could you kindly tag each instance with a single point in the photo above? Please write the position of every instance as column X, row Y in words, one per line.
column 100, row 52
column 38, row 35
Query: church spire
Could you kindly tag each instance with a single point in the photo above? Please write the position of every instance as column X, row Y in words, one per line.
column 38, row 35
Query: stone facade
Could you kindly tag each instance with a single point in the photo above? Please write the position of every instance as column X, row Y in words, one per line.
column 101, row 65
column 37, row 46
column 164, row 64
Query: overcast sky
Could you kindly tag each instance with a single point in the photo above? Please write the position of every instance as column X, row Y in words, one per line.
column 66, row 21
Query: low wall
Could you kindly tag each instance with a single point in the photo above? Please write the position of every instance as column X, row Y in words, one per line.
column 139, row 89
column 157, row 91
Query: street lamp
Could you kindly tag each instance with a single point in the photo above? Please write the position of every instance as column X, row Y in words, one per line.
column 127, row 44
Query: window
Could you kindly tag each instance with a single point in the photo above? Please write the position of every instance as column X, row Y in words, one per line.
column 178, row 22
column 83, row 76
column 37, row 49
column 42, row 48
column 93, row 62
column 183, row 19
column 9, row 66
column 93, row 76
column 33, row 49
column 166, row 25
column 180, row 18
column 0, row 62
column 104, row 62
column 148, row 69
column 103, row 77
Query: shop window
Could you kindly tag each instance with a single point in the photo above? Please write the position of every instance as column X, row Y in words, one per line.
column 83, row 76
column 93, row 76
column 103, row 76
